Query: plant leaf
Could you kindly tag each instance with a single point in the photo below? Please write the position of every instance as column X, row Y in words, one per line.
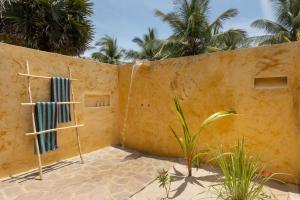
column 180, row 141
column 200, row 154
column 212, row 118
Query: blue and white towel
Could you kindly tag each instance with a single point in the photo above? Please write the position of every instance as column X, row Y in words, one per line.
column 45, row 119
column 60, row 92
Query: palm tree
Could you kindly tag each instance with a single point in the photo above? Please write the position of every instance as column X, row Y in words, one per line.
column 149, row 46
column 60, row 26
column 287, row 25
column 193, row 33
column 229, row 40
column 3, row 3
column 109, row 51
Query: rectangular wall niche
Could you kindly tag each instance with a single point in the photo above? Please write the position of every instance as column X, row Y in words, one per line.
column 94, row 100
column 271, row 82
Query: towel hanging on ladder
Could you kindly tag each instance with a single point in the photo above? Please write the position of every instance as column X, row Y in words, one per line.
column 46, row 118
column 60, row 92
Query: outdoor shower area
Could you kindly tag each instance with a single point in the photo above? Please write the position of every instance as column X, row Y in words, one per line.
column 132, row 106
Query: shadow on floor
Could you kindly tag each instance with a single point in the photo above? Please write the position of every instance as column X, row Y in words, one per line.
column 216, row 177
column 178, row 176
column 285, row 187
column 34, row 174
column 134, row 154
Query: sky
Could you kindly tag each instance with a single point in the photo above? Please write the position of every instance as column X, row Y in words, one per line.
column 126, row 19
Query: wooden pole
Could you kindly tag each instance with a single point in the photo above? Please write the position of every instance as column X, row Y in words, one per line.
column 55, row 129
column 75, row 118
column 33, row 123
column 58, row 103
column 38, row 76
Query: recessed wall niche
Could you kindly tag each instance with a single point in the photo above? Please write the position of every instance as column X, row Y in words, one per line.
column 96, row 100
column 271, row 82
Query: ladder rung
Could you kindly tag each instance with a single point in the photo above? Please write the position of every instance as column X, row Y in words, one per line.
column 38, row 76
column 59, row 103
column 55, row 129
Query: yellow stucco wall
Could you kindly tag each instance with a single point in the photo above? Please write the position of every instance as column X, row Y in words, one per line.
column 101, row 124
column 268, row 118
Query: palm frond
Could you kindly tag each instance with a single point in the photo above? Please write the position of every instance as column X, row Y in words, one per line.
column 229, row 40
column 138, row 41
column 172, row 19
column 217, row 24
column 132, row 54
column 268, row 25
column 150, row 45
column 287, row 22
column 99, row 56
column 109, row 51
column 212, row 118
column 192, row 33
column 56, row 26
column 180, row 141
column 257, row 40
column 212, row 49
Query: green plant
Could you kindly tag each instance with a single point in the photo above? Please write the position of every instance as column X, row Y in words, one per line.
column 149, row 45
column 61, row 26
column 164, row 179
column 286, row 26
column 193, row 32
column 109, row 51
column 243, row 177
column 189, row 142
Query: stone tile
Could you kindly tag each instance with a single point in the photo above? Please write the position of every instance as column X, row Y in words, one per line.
column 294, row 196
column 80, row 197
column 100, row 193
column 108, row 174
column 30, row 196
column 121, row 196
column 13, row 192
column 2, row 196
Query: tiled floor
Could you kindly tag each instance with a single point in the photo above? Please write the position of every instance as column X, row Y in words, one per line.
column 110, row 173
column 115, row 174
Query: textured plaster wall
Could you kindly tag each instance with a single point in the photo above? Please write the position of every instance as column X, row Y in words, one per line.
column 268, row 118
column 101, row 124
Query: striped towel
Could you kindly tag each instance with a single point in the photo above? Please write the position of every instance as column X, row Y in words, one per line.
column 46, row 118
column 60, row 92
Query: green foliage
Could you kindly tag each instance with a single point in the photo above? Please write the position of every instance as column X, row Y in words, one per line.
column 3, row 3
column 228, row 40
column 188, row 143
column 60, row 26
column 150, row 45
column 109, row 51
column 194, row 34
column 164, row 179
column 286, row 27
column 243, row 179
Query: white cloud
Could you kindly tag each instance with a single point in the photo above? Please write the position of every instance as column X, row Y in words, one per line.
column 267, row 9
